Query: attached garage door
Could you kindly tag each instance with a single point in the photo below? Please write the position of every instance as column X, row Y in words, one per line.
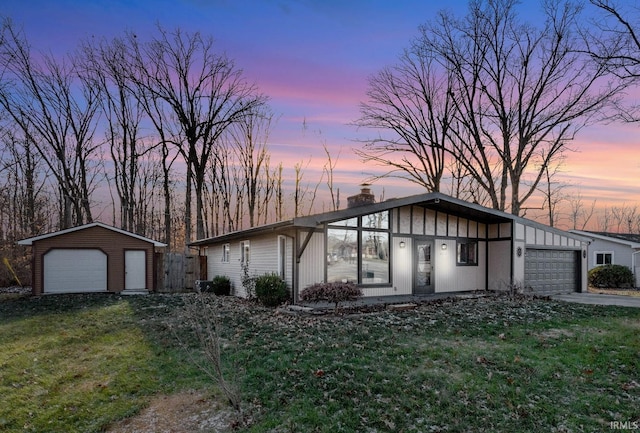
column 551, row 271
column 70, row 270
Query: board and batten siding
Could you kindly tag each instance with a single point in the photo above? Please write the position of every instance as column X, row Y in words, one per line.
column 416, row 221
column 450, row 277
column 499, row 265
column 313, row 260
column 402, row 266
column 113, row 244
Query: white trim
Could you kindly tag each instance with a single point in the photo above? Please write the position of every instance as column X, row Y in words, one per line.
column 226, row 253
column 245, row 251
column 30, row 241
column 634, row 245
column 595, row 257
column 282, row 256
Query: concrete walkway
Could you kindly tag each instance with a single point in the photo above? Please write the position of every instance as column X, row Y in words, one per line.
column 599, row 299
column 582, row 298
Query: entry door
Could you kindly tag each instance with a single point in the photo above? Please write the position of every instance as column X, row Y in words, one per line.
column 135, row 270
column 423, row 283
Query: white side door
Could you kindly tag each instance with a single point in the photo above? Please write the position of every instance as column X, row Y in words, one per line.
column 135, row 269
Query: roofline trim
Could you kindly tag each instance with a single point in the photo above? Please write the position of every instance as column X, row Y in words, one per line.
column 30, row 241
column 593, row 236
column 313, row 221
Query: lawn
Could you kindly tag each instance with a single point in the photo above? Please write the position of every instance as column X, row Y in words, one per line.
column 79, row 363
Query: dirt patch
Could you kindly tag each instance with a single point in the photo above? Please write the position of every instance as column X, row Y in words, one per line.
column 623, row 292
column 556, row 333
column 185, row 412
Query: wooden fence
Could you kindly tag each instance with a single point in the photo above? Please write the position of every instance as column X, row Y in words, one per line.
column 176, row 272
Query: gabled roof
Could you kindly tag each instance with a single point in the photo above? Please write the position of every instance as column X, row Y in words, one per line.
column 30, row 241
column 631, row 240
column 434, row 200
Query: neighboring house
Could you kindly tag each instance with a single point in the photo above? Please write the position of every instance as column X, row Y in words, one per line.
column 92, row 258
column 422, row 244
column 613, row 249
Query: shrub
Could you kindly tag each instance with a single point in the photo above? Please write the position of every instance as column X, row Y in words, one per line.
column 271, row 290
column 221, row 285
column 611, row 276
column 331, row 292
column 248, row 281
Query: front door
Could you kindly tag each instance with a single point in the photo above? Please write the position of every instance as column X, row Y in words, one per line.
column 423, row 283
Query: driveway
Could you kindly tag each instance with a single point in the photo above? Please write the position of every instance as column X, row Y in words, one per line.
column 599, row 299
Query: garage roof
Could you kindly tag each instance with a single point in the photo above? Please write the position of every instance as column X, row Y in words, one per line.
column 30, row 241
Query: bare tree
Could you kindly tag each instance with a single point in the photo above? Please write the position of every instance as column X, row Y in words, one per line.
column 604, row 222
column 24, row 196
column 206, row 93
column 249, row 137
column 579, row 214
column 410, row 105
column 328, row 168
column 614, row 41
column 302, row 192
column 624, row 217
column 106, row 66
column 518, row 94
column 619, row 49
column 56, row 110
column 552, row 191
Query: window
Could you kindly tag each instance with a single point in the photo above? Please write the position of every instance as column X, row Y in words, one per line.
column 226, row 249
column 282, row 256
column 375, row 257
column 467, row 253
column 342, row 255
column 245, row 251
column 604, row 258
column 358, row 249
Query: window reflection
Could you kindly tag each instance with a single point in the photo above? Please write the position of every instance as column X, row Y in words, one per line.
column 379, row 220
column 375, row 257
column 359, row 241
column 342, row 255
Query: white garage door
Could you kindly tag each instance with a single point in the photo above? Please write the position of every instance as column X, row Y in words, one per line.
column 72, row 271
column 551, row 271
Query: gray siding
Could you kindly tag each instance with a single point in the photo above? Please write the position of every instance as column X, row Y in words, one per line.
column 621, row 253
column 263, row 259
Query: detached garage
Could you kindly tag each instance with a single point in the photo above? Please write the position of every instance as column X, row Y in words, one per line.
column 92, row 258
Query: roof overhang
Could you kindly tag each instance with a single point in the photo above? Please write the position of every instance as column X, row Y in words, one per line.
column 241, row 234
column 434, row 201
column 593, row 236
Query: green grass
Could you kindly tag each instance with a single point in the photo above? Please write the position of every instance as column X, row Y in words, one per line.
column 77, row 363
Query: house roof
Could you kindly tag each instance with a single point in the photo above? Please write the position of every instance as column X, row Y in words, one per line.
column 631, row 240
column 435, row 201
column 30, row 241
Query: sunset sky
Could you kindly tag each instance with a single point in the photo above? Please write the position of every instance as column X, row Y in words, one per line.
column 312, row 58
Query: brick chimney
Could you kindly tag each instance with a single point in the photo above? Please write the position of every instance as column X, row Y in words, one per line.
column 364, row 198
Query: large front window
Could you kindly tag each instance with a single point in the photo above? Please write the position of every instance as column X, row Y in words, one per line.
column 358, row 250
